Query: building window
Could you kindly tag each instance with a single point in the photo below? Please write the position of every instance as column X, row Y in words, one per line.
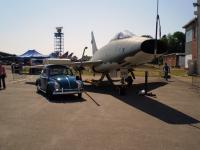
column 189, row 36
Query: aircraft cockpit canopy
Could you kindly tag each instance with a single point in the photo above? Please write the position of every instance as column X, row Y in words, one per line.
column 122, row 35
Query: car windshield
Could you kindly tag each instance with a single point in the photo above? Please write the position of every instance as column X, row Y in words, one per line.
column 122, row 35
column 59, row 71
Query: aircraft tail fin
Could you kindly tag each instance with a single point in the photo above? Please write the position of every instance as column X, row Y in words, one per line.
column 93, row 42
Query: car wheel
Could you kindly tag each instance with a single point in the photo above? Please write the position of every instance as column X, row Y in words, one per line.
column 49, row 93
column 79, row 95
column 38, row 88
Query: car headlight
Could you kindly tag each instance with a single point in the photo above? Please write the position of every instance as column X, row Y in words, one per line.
column 56, row 86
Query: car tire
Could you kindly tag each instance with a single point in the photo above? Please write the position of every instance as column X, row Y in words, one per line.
column 79, row 95
column 38, row 88
column 49, row 93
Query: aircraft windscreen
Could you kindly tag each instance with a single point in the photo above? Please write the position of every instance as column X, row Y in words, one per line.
column 122, row 35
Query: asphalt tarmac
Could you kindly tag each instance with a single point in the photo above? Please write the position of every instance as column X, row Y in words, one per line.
column 102, row 120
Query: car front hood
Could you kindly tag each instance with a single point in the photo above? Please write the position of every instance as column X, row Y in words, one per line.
column 66, row 82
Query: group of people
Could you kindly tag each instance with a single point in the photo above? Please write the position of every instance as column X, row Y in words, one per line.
column 2, row 76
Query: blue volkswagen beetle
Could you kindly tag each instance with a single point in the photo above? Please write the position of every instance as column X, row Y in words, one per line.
column 58, row 80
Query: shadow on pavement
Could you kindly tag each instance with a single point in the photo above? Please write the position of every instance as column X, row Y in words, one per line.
column 63, row 98
column 146, row 104
column 31, row 82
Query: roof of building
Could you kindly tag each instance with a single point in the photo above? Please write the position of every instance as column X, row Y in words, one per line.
column 190, row 22
column 3, row 54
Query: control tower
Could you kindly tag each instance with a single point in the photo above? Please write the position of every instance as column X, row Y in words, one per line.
column 59, row 41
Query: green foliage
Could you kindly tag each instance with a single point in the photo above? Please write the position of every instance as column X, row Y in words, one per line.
column 179, row 72
column 175, row 42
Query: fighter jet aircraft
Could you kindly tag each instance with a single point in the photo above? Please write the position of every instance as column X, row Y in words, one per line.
column 125, row 51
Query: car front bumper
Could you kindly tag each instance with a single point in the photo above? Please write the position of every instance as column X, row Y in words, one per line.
column 67, row 91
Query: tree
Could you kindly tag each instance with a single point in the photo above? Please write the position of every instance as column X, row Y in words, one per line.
column 179, row 38
column 175, row 42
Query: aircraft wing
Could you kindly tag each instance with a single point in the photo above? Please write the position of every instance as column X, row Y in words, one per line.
column 64, row 62
column 72, row 64
column 87, row 63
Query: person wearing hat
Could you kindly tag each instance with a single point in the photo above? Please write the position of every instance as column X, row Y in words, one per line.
column 2, row 76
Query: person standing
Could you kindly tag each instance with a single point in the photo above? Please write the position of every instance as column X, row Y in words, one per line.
column 2, row 76
column 166, row 71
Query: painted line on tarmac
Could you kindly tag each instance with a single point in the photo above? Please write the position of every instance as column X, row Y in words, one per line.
column 92, row 99
column 197, row 126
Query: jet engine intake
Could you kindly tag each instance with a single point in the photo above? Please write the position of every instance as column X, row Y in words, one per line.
column 148, row 46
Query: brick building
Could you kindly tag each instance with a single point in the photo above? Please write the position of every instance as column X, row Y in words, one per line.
column 191, row 42
column 175, row 60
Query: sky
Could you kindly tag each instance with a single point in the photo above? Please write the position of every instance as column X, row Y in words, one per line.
column 30, row 24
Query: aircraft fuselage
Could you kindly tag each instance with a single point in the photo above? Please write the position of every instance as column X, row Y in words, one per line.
column 122, row 53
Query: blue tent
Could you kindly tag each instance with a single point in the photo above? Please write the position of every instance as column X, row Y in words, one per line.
column 32, row 54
